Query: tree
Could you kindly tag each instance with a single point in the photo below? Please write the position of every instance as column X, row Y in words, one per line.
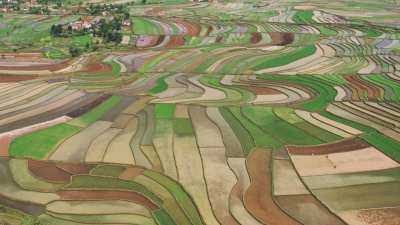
column 116, row 24
column 104, row 27
column 74, row 51
column 56, row 30
column 113, row 36
column 127, row 15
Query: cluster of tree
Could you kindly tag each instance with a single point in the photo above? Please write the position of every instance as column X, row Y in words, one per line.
column 75, row 51
column 98, row 9
column 39, row 10
column 110, row 31
column 58, row 30
column 47, row 2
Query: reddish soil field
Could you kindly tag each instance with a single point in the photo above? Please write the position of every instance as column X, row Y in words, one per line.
column 75, row 168
column 97, row 68
column 4, row 145
column 209, row 30
column 279, row 38
column 255, row 37
column 263, row 90
column 48, row 171
column 361, row 86
column 176, row 40
column 192, row 28
column 258, row 197
column 108, row 195
column 342, row 146
column 11, row 78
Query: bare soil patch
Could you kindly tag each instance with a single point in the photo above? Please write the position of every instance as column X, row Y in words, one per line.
column 342, row 146
column 281, row 39
column 258, row 197
column 48, row 171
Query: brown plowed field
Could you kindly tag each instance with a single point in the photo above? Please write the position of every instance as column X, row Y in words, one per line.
column 342, row 146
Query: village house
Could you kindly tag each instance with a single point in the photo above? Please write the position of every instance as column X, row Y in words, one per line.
column 126, row 23
column 85, row 23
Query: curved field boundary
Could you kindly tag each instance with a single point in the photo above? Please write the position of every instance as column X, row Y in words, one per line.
column 258, row 197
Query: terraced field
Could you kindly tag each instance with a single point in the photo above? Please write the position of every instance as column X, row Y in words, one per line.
column 256, row 112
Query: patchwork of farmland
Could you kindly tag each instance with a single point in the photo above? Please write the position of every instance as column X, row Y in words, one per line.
column 256, row 112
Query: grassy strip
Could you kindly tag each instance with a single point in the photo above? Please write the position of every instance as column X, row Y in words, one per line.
column 162, row 217
column 108, row 170
column 290, row 116
column 54, row 53
column 369, row 31
column 183, row 126
column 387, row 145
column 208, row 61
column 326, row 31
column 147, row 67
column 170, row 205
column 96, row 113
column 115, row 71
column 241, row 133
column 259, row 136
column 325, row 92
column 143, row 26
column 286, row 58
column 337, row 80
column 385, row 82
column 303, row 16
column 164, row 111
column 160, row 86
column 353, row 124
column 283, row 132
column 39, row 144
column 115, row 68
column 183, row 199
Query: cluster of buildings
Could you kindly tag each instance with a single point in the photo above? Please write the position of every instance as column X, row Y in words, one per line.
column 84, row 23
column 89, row 22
